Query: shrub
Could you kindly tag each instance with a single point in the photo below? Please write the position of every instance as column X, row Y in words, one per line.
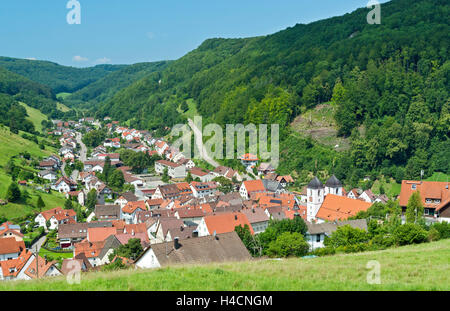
column 410, row 234
column 443, row 228
column 382, row 241
column 288, row 244
column 433, row 235
column 324, row 251
column 345, row 236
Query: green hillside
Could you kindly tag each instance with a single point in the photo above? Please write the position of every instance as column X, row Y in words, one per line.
column 58, row 78
column 105, row 88
column 35, row 116
column 419, row 267
column 388, row 83
column 12, row 145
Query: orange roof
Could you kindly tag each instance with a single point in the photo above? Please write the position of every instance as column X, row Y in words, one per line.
column 100, row 233
column 335, row 207
column 136, row 228
column 6, row 228
column 10, row 245
column 254, row 185
column 131, row 207
column 43, row 267
column 90, row 249
column 59, row 213
column 11, row 268
column 249, row 157
column 434, row 190
column 226, row 222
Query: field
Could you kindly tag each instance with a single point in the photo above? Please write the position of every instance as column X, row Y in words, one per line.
column 35, row 116
column 418, row 267
column 439, row 177
column 392, row 188
column 12, row 144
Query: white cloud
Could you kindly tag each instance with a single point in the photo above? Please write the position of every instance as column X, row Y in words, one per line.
column 151, row 35
column 79, row 59
column 103, row 60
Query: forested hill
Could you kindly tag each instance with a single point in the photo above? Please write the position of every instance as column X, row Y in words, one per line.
column 390, row 79
column 106, row 87
column 13, row 89
column 58, row 78
column 237, row 80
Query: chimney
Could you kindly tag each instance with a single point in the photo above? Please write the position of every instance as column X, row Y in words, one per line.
column 176, row 243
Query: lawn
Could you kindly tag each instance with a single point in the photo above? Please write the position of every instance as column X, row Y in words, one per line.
column 438, row 176
column 418, row 267
column 392, row 188
column 35, row 116
column 54, row 255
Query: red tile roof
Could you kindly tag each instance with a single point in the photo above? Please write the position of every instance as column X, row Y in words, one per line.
column 100, row 234
column 226, row 222
column 254, row 185
column 131, row 207
column 335, row 207
column 428, row 190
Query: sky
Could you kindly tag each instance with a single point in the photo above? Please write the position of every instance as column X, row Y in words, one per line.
column 132, row 31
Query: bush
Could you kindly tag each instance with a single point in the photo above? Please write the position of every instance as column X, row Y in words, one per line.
column 382, row 241
column 324, row 251
column 410, row 234
column 433, row 235
column 443, row 228
column 345, row 236
column 288, row 244
column 352, row 248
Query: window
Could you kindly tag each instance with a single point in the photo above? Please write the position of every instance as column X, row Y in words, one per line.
column 414, row 187
column 318, row 238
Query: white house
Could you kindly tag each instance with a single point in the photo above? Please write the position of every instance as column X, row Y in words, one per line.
column 174, row 170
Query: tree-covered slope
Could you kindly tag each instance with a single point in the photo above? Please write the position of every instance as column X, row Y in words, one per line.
column 15, row 88
column 106, row 87
column 58, row 78
column 389, row 79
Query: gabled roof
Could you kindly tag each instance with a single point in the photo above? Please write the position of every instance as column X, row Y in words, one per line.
column 10, row 245
column 100, row 234
column 428, row 190
column 226, row 222
column 254, row 185
column 255, row 215
column 329, row 227
column 249, row 157
column 131, row 207
column 335, row 207
column 225, row 247
column 129, row 197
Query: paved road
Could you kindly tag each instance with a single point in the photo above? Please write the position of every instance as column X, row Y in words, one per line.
column 38, row 244
column 199, row 143
column 83, row 148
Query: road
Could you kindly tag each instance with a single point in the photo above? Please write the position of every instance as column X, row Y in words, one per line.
column 199, row 143
column 83, row 148
column 38, row 244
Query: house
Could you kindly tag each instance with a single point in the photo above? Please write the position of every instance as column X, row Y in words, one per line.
column 98, row 252
column 94, row 166
column 202, row 174
column 131, row 180
column 97, row 234
column 265, row 168
column 285, row 180
column 249, row 160
column 163, row 226
column 174, row 170
column 64, row 185
column 108, row 212
column 24, row 267
column 161, row 147
column 226, row 172
column 250, row 186
column 79, row 195
column 335, row 207
column 8, row 230
column 193, row 215
column 272, row 186
column 353, row 194
column 10, row 248
column 125, row 198
column 154, row 203
column 203, row 189
column 226, row 247
column 275, row 212
column 188, row 163
column 78, row 263
column 48, row 165
column 367, row 196
column 433, row 194
column 131, row 208
column 56, row 216
column 69, row 234
column 48, row 175
column 222, row 223
column 316, row 233
column 170, row 191
column 257, row 218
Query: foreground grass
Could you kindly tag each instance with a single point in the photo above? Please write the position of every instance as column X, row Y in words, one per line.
column 419, row 267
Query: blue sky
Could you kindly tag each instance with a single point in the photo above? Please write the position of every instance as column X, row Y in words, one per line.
column 131, row 31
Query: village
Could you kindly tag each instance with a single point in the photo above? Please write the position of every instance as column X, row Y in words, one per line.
column 180, row 212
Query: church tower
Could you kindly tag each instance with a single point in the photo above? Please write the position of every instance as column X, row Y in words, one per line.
column 333, row 186
column 315, row 193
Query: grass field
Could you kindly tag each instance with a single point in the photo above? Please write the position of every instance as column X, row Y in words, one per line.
column 43, row 252
column 438, row 176
column 392, row 189
column 418, row 267
column 62, row 107
column 35, row 116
